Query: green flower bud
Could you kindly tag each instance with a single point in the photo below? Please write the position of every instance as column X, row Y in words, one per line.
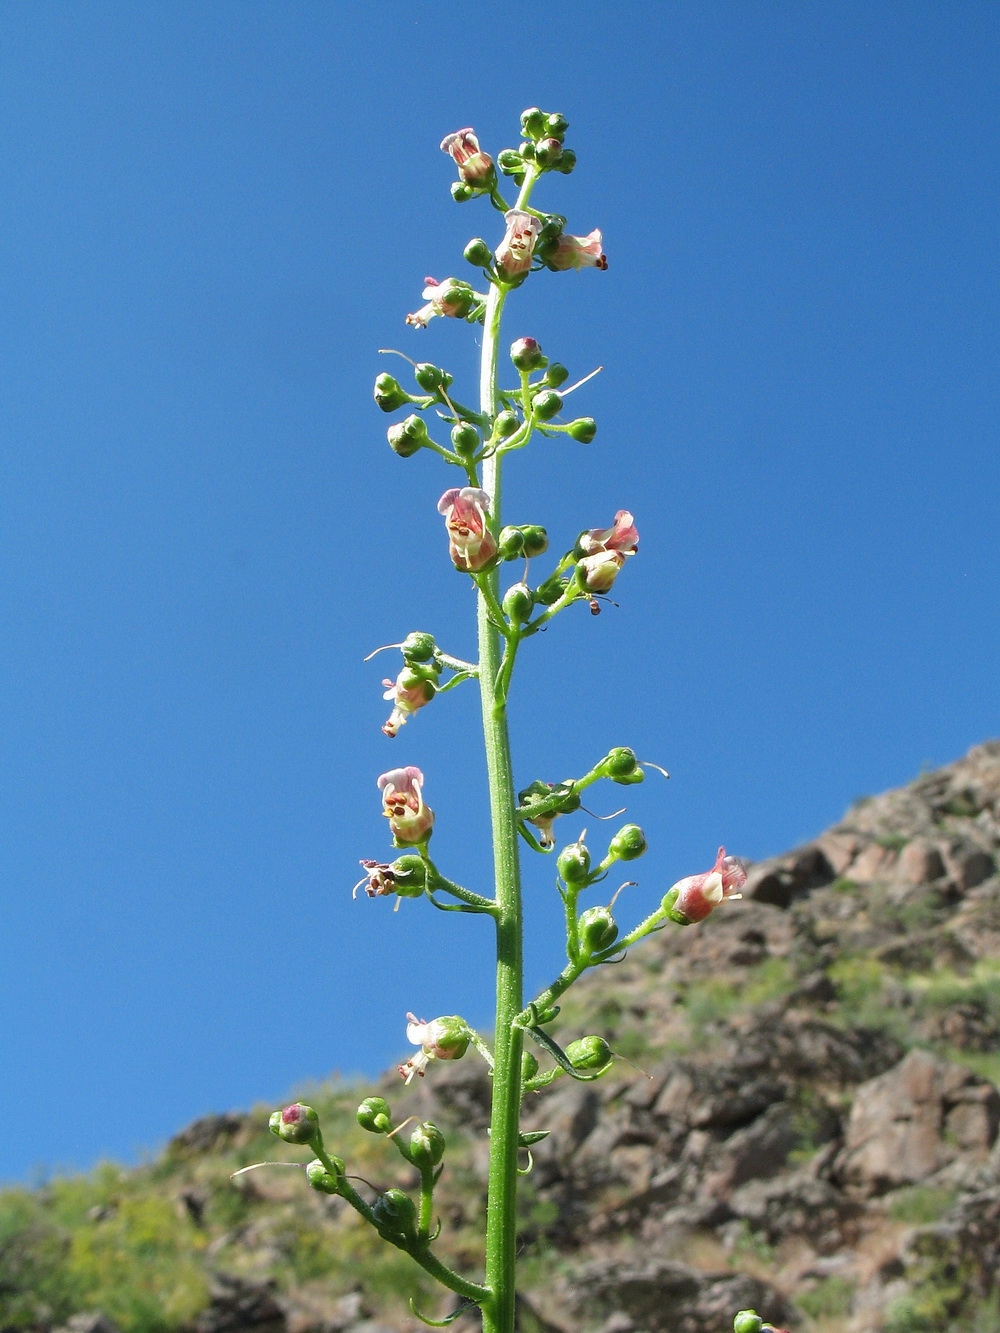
column 389, row 393
column 748, row 1321
column 465, row 439
column 598, row 930
column 556, row 374
column 529, row 1066
column 431, row 377
column 619, row 763
column 556, row 125
column 510, row 162
column 573, row 864
column 406, row 437
column 590, row 1053
column 395, row 1214
column 506, row 424
column 582, row 429
column 418, row 646
column 567, row 162
column 510, row 543
column 526, row 354
column 533, row 123
column 518, row 603
column 460, row 192
column 552, row 228
column 296, row 1124
column 548, row 152
column 410, row 875
column 536, row 540
column 628, row 843
column 527, row 151
column 546, row 404
column 478, row 253
column 321, row 1179
column 374, row 1115
column 551, row 590
column 426, row 1145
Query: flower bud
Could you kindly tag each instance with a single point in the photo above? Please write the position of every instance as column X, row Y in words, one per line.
column 418, row 646
column 518, row 603
column 410, row 875
column 619, row 763
column 374, row 1115
column 536, row 540
column 583, row 429
column 389, row 393
column 426, row 1145
column 529, row 1066
column 546, row 404
column 478, row 253
column 526, row 354
column 590, row 1053
column 510, row 543
column 573, row 864
column 506, row 424
column 406, row 437
column 551, row 590
column 527, row 150
column 628, row 843
column 533, row 123
column 460, row 192
column 296, row 1124
column 556, row 374
column 465, row 439
column 431, row 377
column 598, row 929
column 567, row 162
column 556, row 125
column 548, row 152
column 748, row 1321
column 321, row 1179
column 510, row 162
column 395, row 1214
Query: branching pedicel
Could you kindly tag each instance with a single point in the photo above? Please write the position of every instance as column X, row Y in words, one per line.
column 479, row 544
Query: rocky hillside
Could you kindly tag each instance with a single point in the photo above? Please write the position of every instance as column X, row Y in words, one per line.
column 815, row 1133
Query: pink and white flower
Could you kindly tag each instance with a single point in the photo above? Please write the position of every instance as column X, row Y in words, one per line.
column 604, row 552
column 475, row 167
column 406, row 700
column 452, row 298
column 513, row 254
column 577, row 252
column 444, row 1038
column 403, row 805
column 698, row 895
column 471, row 545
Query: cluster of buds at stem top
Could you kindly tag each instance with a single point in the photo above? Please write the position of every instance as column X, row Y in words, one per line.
column 410, row 820
column 567, row 800
column 693, row 898
column 542, row 145
column 476, row 173
column 452, row 298
column 471, row 545
column 416, row 684
column 601, row 552
column 445, row 1038
column 406, row 877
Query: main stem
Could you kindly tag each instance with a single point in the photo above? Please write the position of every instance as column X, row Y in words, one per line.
column 501, row 1211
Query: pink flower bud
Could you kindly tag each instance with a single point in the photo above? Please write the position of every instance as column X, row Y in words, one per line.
column 698, row 895
column 475, row 167
column 406, row 700
column 514, row 252
column 604, row 551
column 403, row 804
column 451, row 297
column 471, row 545
column 577, row 252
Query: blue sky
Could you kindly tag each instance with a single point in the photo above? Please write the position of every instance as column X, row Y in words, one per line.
column 214, row 217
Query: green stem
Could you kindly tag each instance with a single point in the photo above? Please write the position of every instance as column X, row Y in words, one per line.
column 501, row 1212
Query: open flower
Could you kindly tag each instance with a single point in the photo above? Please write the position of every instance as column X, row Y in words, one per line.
column 577, row 252
column 514, row 252
column 471, row 545
column 696, row 896
column 441, row 1039
column 604, row 551
column 403, row 805
column 451, row 297
column 407, row 696
column 475, row 167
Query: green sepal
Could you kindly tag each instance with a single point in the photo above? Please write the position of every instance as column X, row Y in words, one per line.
column 531, row 1136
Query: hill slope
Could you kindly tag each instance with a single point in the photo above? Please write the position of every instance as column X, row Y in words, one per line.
column 817, row 1134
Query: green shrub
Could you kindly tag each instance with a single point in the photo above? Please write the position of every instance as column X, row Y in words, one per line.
column 830, row 1299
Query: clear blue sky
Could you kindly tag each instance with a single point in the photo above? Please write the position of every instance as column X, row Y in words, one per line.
column 213, row 217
